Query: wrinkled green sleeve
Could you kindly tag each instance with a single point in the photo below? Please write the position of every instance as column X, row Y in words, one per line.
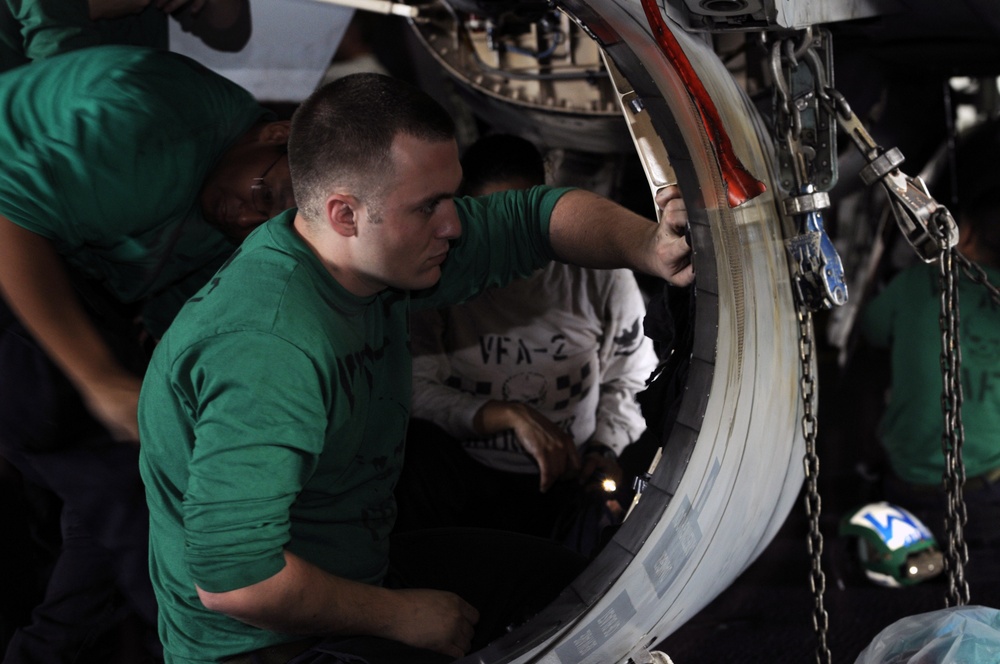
column 252, row 455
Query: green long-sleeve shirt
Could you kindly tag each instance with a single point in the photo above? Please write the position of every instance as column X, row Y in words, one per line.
column 274, row 410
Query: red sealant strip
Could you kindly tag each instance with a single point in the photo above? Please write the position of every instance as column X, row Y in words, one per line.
column 741, row 186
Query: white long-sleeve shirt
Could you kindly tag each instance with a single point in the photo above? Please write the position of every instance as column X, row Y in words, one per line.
column 568, row 341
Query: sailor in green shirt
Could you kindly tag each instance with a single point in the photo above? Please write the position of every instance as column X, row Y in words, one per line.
column 115, row 158
column 904, row 318
column 273, row 413
column 124, row 170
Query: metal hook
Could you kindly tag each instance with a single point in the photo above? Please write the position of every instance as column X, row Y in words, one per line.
column 779, row 78
column 806, row 44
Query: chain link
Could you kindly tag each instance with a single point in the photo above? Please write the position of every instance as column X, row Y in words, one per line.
column 977, row 275
column 788, row 128
column 953, row 435
column 911, row 202
column 807, row 386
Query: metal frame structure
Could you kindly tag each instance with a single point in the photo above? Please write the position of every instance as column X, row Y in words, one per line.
column 731, row 468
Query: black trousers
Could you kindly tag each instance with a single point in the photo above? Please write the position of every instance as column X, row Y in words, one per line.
column 101, row 571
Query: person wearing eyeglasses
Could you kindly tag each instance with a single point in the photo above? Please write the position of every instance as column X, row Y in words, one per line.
column 129, row 177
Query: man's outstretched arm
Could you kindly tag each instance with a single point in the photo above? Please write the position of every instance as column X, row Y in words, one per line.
column 591, row 231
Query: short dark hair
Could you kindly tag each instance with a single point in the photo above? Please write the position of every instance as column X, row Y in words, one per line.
column 343, row 134
column 500, row 158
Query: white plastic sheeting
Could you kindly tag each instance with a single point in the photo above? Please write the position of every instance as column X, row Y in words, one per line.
column 293, row 41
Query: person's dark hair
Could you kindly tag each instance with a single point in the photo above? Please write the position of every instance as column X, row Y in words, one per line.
column 500, row 158
column 978, row 185
column 343, row 133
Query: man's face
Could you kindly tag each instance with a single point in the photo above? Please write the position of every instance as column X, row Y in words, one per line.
column 403, row 239
column 250, row 185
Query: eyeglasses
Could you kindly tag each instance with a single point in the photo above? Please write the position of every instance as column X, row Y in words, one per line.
column 260, row 192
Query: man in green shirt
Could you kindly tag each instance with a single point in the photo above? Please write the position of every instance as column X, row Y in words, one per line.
column 121, row 166
column 273, row 413
column 903, row 318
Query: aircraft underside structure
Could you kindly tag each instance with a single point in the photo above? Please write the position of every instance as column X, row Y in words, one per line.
column 731, row 467
column 566, row 74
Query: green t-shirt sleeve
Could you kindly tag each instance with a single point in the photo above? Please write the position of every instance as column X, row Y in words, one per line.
column 504, row 236
column 252, row 455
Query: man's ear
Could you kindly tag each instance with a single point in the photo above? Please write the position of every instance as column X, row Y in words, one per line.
column 274, row 133
column 342, row 214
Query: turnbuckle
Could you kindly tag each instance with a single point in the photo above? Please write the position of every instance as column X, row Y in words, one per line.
column 915, row 210
column 807, row 166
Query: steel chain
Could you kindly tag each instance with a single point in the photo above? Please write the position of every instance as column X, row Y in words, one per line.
column 977, row 275
column 953, row 435
column 807, row 386
column 788, row 128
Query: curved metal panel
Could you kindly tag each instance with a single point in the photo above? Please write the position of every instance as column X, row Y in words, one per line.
column 732, row 466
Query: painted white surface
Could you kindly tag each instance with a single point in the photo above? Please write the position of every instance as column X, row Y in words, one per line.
column 293, row 41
